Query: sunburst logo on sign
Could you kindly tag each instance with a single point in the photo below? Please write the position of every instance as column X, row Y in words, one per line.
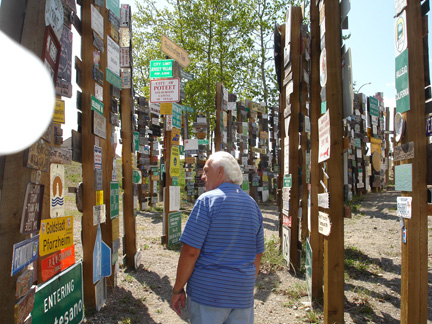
column 57, row 190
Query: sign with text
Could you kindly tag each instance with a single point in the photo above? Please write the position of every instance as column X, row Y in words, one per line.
column 176, row 115
column 59, row 112
column 161, row 69
column 60, row 300
column 404, row 207
column 165, row 90
column 114, row 199
column 55, row 234
column 174, row 51
column 324, row 224
column 175, row 162
column 174, row 228
column 57, row 262
column 24, row 253
column 32, row 211
column 324, row 137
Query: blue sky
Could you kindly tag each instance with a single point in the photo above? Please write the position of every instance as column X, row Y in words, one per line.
column 371, row 24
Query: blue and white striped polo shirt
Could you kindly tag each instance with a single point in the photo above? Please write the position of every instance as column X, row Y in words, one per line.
column 227, row 225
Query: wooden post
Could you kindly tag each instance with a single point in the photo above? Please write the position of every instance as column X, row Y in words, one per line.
column 296, row 19
column 414, row 290
column 88, row 142
column 130, row 243
column 217, row 131
column 334, row 242
column 284, row 138
column 316, row 239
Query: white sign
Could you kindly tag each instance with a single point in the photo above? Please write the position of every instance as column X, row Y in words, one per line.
column 399, row 5
column 404, row 206
column 401, row 37
column 155, row 108
column 191, row 144
column 98, row 92
column 99, row 214
column 232, row 106
column 113, row 56
column 97, row 157
column 323, row 200
column 324, row 137
column 165, row 90
column 57, row 190
column 97, row 23
column 54, row 16
column 286, row 244
column 324, row 224
column 174, row 198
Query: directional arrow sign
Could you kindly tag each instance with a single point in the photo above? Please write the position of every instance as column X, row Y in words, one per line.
column 101, row 258
column 174, row 51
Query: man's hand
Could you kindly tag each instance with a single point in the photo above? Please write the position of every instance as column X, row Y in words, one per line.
column 178, row 302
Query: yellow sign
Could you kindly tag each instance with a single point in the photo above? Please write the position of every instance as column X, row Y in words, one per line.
column 175, row 136
column 175, row 162
column 59, row 112
column 55, row 234
column 375, row 144
column 115, row 223
column 174, row 51
column 99, row 197
column 166, row 108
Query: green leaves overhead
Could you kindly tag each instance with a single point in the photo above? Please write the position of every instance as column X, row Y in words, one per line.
column 229, row 41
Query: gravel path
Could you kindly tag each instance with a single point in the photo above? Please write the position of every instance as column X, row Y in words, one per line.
column 372, row 285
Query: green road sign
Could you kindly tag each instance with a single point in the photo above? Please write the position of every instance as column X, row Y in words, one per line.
column 287, row 180
column 174, row 228
column 176, row 115
column 203, row 142
column 188, row 109
column 373, row 106
column 114, row 79
column 175, row 181
column 161, row 69
column 61, row 299
column 136, row 176
column 402, row 83
column 187, row 76
column 97, row 105
column 181, row 149
column 114, row 199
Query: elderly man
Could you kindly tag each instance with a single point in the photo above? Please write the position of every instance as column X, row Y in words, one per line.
column 223, row 241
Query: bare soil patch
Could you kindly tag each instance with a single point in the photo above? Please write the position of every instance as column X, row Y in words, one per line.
column 372, row 273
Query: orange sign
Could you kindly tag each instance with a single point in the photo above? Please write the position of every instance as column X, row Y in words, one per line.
column 57, row 262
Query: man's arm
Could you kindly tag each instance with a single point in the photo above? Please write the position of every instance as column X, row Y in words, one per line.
column 257, row 264
column 186, row 265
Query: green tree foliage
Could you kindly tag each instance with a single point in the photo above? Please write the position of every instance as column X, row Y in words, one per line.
column 228, row 41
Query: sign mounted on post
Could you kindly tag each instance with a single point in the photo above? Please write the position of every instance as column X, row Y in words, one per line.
column 165, row 90
column 61, row 300
column 174, row 51
column 161, row 69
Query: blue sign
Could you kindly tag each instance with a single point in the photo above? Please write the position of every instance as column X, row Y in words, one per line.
column 24, row 253
column 101, row 258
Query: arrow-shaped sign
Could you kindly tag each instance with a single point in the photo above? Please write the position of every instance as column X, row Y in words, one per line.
column 174, row 51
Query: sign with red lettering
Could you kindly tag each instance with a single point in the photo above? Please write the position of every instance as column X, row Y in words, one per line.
column 57, row 262
column 165, row 90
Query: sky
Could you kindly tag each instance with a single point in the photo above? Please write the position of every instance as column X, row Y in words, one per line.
column 371, row 25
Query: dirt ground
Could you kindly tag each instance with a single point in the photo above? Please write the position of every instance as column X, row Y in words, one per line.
column 372, row 274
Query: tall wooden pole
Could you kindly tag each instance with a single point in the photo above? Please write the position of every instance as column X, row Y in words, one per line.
column 88, row 142
column 414, row 290
column 334, row 242
column 316, row 239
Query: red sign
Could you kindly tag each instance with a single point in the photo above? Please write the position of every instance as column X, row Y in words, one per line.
column 287, row 221
column 57, row 262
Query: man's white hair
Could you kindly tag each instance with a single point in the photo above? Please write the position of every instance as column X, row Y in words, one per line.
column 229, row 164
